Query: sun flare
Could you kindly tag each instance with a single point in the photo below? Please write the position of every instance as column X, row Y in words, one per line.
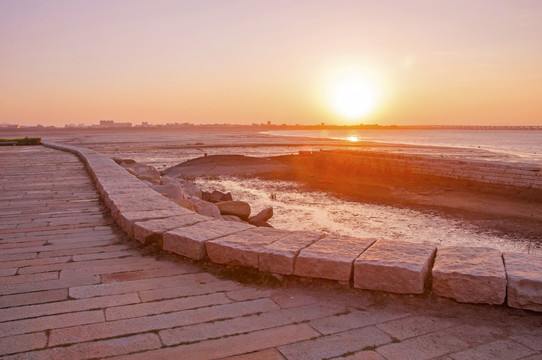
column 353, row 93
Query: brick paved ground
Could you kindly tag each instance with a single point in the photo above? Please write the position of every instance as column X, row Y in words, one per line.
column 71, row 287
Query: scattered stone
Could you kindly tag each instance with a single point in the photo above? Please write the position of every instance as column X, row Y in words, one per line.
column 150, row 174
column 261, row 224
column 524, row 273
column 144, row 172
column 470, row 275
column 125, row 161
column 217, row 196
column 189, row 188
column 237, row 208
column 394, row 266
column 205, row 208
column 227, row 197
column 232, row 218
column 187, row 204
column 206, row 196
column 261, row 218
column 132, row 171
column 330, row 257
column 144, row 181
column 174, row 191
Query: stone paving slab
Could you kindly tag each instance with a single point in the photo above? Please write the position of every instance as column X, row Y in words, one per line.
column 96, row 349
column 271, row 319
column 331, row 257
column 124, row 327
column 431, row 346
column 470, row 274
column 233, row 345
column 190, row 241
column 25, row 342
column 394, row 266
column 524, row 280
column 336, row 345
column 506, row 350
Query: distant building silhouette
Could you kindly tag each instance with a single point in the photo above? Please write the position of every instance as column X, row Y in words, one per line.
column 9, row 126
column 112, row 124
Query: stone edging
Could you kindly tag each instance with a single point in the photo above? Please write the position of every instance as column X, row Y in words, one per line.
column 471, row 275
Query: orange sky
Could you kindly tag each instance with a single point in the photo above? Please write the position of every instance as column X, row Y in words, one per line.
column 440, row 62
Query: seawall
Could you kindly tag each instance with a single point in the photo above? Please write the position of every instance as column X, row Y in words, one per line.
column 492, row 173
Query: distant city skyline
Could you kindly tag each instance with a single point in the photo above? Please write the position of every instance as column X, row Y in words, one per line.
column 111, row 125
column 419, row 62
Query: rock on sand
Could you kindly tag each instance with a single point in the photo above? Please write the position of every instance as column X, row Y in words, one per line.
column 238, row 208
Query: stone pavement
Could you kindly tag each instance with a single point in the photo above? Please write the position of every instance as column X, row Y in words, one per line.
column 71, row 287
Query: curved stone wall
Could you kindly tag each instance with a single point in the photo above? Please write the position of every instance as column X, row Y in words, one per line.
column 472, row 275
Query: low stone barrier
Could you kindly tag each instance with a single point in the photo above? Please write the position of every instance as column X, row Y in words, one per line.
column 473, row 275
column 394, row 266
column 498, row 173
column 331, row 257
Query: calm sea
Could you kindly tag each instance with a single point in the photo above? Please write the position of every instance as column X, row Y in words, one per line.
column 523, row 145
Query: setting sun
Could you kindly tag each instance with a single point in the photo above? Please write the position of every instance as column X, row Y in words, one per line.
column 353, row 93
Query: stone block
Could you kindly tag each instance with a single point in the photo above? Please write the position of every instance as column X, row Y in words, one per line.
column 126, row 219
column 120, row 186
column 139, row 201
column 524, row 273
column 279, row 256
column 151, row 231
column 243, row 248
column 470, row 275
column 190, row 241
column 394, row 266
column 330, row 257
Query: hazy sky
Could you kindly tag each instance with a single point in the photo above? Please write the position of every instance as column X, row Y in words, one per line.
column 436, row 61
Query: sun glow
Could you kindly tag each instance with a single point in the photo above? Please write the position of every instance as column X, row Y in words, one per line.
column 353, row 93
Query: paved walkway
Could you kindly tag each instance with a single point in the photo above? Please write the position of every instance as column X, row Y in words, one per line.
column 71, row 288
